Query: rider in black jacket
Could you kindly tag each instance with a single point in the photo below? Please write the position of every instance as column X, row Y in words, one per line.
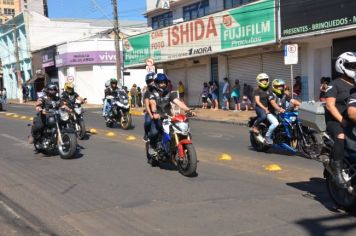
column 337, row 93
column 69, row 95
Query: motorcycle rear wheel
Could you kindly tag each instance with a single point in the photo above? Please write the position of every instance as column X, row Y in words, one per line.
column 340, row 196
column 258, row 146
column 189, row 166
column 69, row 147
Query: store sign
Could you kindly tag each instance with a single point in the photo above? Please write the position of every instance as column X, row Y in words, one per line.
column 291, row 54
column 315, row 16
column 48, row 59
column 246, row 26
column 86, row 58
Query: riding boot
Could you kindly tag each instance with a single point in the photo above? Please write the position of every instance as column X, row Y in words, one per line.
column 337, row 167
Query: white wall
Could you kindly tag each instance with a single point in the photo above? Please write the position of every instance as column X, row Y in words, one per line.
column 44, row 32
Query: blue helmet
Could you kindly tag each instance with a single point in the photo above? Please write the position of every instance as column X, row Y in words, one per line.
column 150, row 77
column 161, row 78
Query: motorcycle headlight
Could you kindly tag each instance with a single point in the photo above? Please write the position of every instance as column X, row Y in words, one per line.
column 182, row 127
column 64, row 115
column 78, row 110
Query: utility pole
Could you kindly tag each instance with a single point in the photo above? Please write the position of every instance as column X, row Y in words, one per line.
column 17, row 56
column 117, row 42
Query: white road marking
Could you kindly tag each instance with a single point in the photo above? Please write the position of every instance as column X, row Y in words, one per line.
column 20, row 142
column 9, row 209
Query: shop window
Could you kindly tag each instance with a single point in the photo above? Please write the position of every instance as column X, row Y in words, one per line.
column 162, row 20
column 196, row 10
column 235, row 3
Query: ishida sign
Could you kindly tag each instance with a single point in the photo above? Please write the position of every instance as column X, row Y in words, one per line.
column 242, row 27
column 316, row 16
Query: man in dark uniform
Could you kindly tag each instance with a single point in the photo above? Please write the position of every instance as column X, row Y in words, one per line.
column 337, row 94
column 49, row 101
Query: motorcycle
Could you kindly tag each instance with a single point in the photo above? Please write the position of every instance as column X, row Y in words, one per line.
column 343, row 197
column 57, row 134
column 175, row 146
column 290, row 135
column 119, row 111
column 78, row 120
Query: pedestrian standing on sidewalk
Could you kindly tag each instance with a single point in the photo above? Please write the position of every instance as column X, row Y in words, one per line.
column 235, row 94
column 204, row 95
column 139, row 97
column 226, row 94
column 133, row 93
column 214, row 91
column 181, row 91
column 297, row 88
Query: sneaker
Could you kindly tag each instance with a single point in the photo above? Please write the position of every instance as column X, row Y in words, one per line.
column 31, row 140
column 268, row 140
column 145, row 138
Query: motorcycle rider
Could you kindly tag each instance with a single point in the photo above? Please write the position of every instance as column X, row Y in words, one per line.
column 283, row 99
column 150, row 77
column 265, row 107
column 110, row 91
column 69, row 95
column 160, row 105
column 337, row 93
column 48, row 101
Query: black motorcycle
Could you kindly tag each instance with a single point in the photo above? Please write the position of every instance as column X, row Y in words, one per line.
column 343, row 197
column 77, row 120
column 57, row 134
column 119, row 111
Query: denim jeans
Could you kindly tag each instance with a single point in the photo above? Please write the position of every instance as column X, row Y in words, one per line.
column 156, row 128
column 274, row 123
column 147, row 123
column 106, row 106
column 261, row 116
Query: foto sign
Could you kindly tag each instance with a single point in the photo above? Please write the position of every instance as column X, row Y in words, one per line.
column 291, row 54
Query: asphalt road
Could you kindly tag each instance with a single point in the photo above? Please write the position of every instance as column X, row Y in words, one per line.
column 110, row 190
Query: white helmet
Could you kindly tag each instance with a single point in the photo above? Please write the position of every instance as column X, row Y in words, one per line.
column 346, row 64
column 260, row 77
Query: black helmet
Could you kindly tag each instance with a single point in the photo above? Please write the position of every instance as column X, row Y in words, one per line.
column 150, row 77
column 51, row 90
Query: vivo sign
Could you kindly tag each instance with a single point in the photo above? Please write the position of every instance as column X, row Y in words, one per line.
column 86, row 58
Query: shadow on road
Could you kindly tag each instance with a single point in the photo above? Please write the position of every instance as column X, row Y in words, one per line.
column 338, row 223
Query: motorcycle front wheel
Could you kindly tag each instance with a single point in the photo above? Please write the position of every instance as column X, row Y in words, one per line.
column 312, row 148
column 69, row 146
column 188, row 166
column 126, row 121
column 81, row 132
column 340, row 196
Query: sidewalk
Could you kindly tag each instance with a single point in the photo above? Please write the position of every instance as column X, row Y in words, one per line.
column 208, row 115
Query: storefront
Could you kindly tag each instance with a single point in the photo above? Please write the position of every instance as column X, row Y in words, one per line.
column 324, row 30
column 209, row 48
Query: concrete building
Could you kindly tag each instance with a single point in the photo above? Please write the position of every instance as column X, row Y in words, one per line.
column 34, row 32
column 9, row 8
column 196, row 41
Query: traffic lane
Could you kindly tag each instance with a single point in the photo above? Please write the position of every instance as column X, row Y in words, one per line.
column 111, row 189
column 221, row 138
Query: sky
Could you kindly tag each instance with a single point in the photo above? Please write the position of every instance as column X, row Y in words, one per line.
column 96, row 9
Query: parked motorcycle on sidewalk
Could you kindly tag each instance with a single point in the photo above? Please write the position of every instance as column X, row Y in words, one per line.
column 175, row 146
column 119, row 111
column 77, row 119
column 57, row 135
column 290, row 135
column 343, row 197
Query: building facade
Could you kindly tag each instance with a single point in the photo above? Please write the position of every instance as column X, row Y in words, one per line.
column 10, row 8
column 34, row 32
column 197, row 41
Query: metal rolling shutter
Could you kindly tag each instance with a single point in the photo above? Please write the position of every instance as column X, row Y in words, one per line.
column 196, row 76
column 273, row 65
column 175, row 75
column 245, row 69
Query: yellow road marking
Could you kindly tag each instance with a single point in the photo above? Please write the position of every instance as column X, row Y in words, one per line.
column 93, row 131
column 110, row 134
column 131, row 138
column 273, row 167
column 225, row 157
column 23, row 117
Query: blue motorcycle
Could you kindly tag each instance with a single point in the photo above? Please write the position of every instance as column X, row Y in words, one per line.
column 290, row 135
